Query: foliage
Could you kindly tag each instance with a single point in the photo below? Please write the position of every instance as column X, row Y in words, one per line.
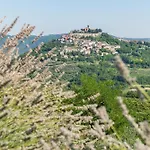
column 108, row 98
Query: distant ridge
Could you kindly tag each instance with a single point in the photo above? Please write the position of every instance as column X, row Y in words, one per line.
column 138, row 39
column 45, row 39
column 132, row 39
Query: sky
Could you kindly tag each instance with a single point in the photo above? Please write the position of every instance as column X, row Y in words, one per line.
column 123, row 18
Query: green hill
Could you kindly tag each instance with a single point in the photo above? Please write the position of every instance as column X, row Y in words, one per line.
column 23, row 48
column 100, row 60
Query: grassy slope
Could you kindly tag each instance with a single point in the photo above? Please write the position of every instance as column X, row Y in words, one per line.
column 26, row 123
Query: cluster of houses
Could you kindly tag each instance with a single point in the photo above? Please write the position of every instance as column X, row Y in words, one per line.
column 77, row 41
column 84, row 45
column 87, row 46
column 67, row 39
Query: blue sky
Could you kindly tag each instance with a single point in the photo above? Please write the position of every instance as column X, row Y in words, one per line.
column 124, row 18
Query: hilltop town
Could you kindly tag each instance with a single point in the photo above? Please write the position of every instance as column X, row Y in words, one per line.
column 84, row 41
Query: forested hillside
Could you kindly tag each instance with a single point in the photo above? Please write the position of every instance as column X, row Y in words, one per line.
column 134, row 53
